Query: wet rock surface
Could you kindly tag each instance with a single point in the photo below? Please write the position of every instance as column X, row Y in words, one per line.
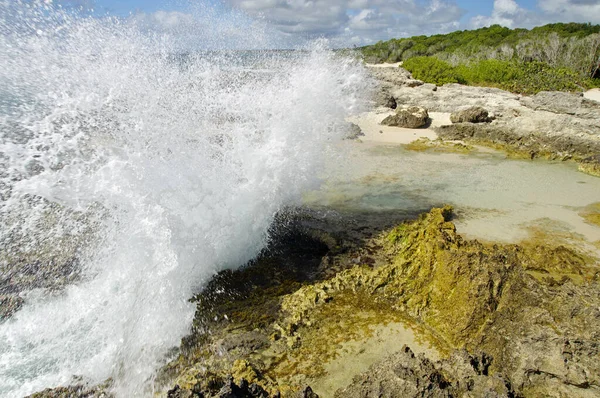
column 77, row 391
column 507, row 320
column 591, row 165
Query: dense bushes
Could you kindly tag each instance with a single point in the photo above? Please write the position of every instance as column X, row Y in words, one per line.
column 525, row 78
column 432, row 70
column 496, row 54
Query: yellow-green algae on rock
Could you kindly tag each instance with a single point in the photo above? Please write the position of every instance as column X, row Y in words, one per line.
column 425, row 144
column 591, row 214
column 542, row 332
column 590, row 165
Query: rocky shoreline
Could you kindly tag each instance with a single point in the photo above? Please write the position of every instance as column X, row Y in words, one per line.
column 552, row 125
column 485, row 319
column 394, row 304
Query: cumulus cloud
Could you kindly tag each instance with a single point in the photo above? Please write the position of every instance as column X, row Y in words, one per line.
column 505, row 12
column 571, row 10
column 348, row 22
column 509, row 13
column 355, row 21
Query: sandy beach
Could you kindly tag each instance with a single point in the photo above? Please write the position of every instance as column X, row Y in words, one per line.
column 370, row 124
column 385, row 65
column 593, row 94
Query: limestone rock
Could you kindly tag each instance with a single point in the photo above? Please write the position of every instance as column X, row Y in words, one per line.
column 563, row 103
column 412, row 118
column 591, row 165
column 400, row 375
column 404, row 374
column 515, row 320
column 78, row 391
column 475, row 114
column 551, row 124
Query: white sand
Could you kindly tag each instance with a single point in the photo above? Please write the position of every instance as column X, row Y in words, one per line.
column 593, row 94
column 385, row 65
column 369, row 123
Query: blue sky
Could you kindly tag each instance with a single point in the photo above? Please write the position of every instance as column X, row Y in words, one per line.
column 348, row 22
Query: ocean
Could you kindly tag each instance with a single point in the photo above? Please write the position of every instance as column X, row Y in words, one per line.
column 130, row 173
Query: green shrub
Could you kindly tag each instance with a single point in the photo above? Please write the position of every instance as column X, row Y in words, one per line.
column 534, row 77
column 523, row 78
column 432, row 70
column 572, row 45
column 489, row 71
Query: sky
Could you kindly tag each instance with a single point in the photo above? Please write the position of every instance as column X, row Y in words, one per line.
column 354, row 22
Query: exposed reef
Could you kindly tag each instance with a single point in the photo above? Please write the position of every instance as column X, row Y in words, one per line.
column 485, row 319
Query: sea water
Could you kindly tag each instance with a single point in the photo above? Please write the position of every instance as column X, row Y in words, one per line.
column 131, row 171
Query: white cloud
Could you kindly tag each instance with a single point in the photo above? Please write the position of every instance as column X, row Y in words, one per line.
column 355, row 21
column 505, row 12
column 571, row 10
column 509, row 13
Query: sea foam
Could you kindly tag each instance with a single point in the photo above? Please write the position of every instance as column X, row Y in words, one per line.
column 146, row 170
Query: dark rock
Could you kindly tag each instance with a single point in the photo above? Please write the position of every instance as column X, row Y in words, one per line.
column 412, row 118
column 178, row 392
column 244, row 390
column 307, row 392
column 475, row 114
column 391, row 102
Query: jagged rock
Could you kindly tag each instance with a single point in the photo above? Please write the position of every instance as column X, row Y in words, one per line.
column 517, row 320
column 400, row 375
column 412, row 118
column 389, row 79
column 307, row 392
column 391, row 102
column 591, row 165
column 475, row 114
column 78, row 391
column 518, row 141
column 244, row 390
column 404, row 374
column 229, row 390
column 552, row 124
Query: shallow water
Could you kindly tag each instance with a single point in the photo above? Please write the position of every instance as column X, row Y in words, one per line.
column 496, row 199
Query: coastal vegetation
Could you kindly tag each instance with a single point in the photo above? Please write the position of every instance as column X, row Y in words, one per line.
column 558, row 56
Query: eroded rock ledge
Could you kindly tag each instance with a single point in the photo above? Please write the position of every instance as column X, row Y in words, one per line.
column 488, row 320
column 554, row 125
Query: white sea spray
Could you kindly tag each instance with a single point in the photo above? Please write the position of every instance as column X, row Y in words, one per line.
column 152, row 169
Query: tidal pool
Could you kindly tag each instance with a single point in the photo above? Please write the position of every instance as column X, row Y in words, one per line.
column 495, row 198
